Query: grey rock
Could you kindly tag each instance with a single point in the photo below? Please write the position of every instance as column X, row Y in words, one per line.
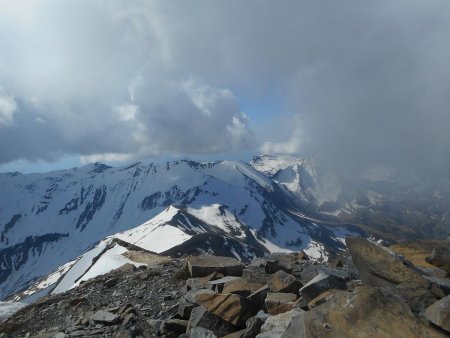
column 440, row 257
column 200, row 332
column 439, row 313
column 188, row 302
column 177, row 326
column 201, row 317
column 105, row 317
column 204, row 265
column 321, row 283
column 275, row 326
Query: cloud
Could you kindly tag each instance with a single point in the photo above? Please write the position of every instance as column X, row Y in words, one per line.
column 8, row 106
column 360, row 83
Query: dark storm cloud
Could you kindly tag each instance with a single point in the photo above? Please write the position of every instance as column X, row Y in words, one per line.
column 362, row 82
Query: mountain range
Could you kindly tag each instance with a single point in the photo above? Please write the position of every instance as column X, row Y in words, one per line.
column 60, row 228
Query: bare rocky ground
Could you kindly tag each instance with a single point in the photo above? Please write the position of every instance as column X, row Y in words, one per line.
column 369, row 291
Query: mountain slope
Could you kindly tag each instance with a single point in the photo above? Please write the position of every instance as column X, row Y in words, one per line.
column 47, row 220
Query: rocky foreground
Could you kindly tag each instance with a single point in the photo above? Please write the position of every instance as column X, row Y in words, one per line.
column 369, row 291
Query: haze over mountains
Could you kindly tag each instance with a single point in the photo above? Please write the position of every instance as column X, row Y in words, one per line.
column 274, row 203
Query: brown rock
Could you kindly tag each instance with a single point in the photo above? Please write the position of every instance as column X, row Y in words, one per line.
column 201, row 317
column 231, row 308
column 322, row 298
column 201, row 266
column 241, row 286
column 379, row 267
column 440, row 257
column 281, row 281
column 367, row 312
column 188, row 302
column 277, row 303
column 439, row 313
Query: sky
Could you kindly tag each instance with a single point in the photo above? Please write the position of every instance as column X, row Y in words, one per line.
column 354, row 83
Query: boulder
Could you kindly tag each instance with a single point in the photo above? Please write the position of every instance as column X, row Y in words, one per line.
column 201, row 266
column 200, row 332
column 195, row 284
column 241, row 286
column 281, row 281
column 440, row 257
column 320, row 284
column 259, row 296
column 218, row 284
column 275, row 326
column 201, row 317
column 274, row 265
column 379, row 267
column 253, row 326
column 232, row 308
column 188, row 302
column 177, row 326
column 105, row 317
column 320, row 299
column 366, row 312
column 439, row 313
column 277, row 303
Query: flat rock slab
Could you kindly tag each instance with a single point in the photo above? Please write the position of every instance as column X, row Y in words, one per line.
column 105, row 317
column 439, row 313
column 281, row 281
column 320, row 284
column 241, row 286
column 202, row 266
column 231, row 308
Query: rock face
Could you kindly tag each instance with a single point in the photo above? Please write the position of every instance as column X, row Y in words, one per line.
column 231, row 308
column 320, row 284
column 367, row 312
column 439, row 313
column 379, row 267
column 202, row 266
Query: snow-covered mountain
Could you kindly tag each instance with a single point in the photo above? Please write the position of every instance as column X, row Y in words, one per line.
column 389, row 202
column 48, row 221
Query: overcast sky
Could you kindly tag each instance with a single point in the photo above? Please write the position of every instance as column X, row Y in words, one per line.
column 354, row 82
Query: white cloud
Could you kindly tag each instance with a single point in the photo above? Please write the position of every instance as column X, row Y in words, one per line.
column 8, row 107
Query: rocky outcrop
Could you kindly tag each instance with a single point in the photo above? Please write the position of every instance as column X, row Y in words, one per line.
column 440, row 257
column 159, row 301
column 367, row 312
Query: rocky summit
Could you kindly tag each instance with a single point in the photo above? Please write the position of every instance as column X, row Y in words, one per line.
column 368, row 291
